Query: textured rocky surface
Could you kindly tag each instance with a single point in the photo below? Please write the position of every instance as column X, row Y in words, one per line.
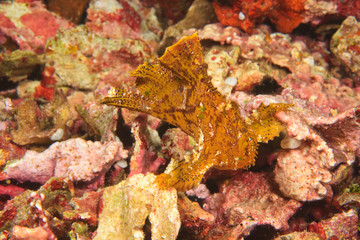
column 128, row 205
column 249, row 197
column 345, row 44
column 57, row 63
column 77, row 159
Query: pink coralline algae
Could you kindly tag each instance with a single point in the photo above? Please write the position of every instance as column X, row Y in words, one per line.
column 329, row 228
column 264, row 55
column 31, row 27
column 145, row 157
column 305, row 173
column 323, row 141
column 196, row 222
column 47, row 212
column 176, row 144
column 77, row 159
column 249, row 196
column 11, row 190
column 119, row 19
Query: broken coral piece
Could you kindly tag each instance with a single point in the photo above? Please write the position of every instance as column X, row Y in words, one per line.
column 305, row 173
column 30, row 26
column 246, row 14
column 85, row 209
column 304, row 235
column 177, row 144
column 37, row 212
column 42, row 126
column 94, row 57
column 285, row 15
column 77, row 159
column 19, row 232
column 270, row 56
column 123, row 19
column 18, row 64
column 221, row 62
column 297, row 54
column 189, row 100
column 201, row 191
column 126, row 207
column 50, row 211
column 310, row 181
column 345, row 44
column 9, row 150
column 73, row 11
column 249, row 196
column 350, row 196
column 198, row 15
column 329, row 228
column 100, row 120
column 195, row 222
column 145, row 156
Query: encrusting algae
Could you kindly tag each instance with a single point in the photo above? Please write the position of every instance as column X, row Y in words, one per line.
column 178, row 90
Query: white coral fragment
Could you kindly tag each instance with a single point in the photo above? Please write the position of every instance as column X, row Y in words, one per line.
column 128, row 205
column 77, row 159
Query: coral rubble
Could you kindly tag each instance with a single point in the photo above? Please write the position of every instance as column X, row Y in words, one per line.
column 345, row 44
column 256, row 103
column 128, row 205
column 62, row 159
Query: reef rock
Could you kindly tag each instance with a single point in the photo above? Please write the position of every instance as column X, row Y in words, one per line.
column 77, row 159
column 128, row 205
column 345, row 44
column 249, row 199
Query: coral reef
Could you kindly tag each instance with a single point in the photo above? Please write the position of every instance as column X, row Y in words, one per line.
column 212, row 78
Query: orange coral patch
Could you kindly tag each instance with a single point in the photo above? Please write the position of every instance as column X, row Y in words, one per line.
column 245, row 14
